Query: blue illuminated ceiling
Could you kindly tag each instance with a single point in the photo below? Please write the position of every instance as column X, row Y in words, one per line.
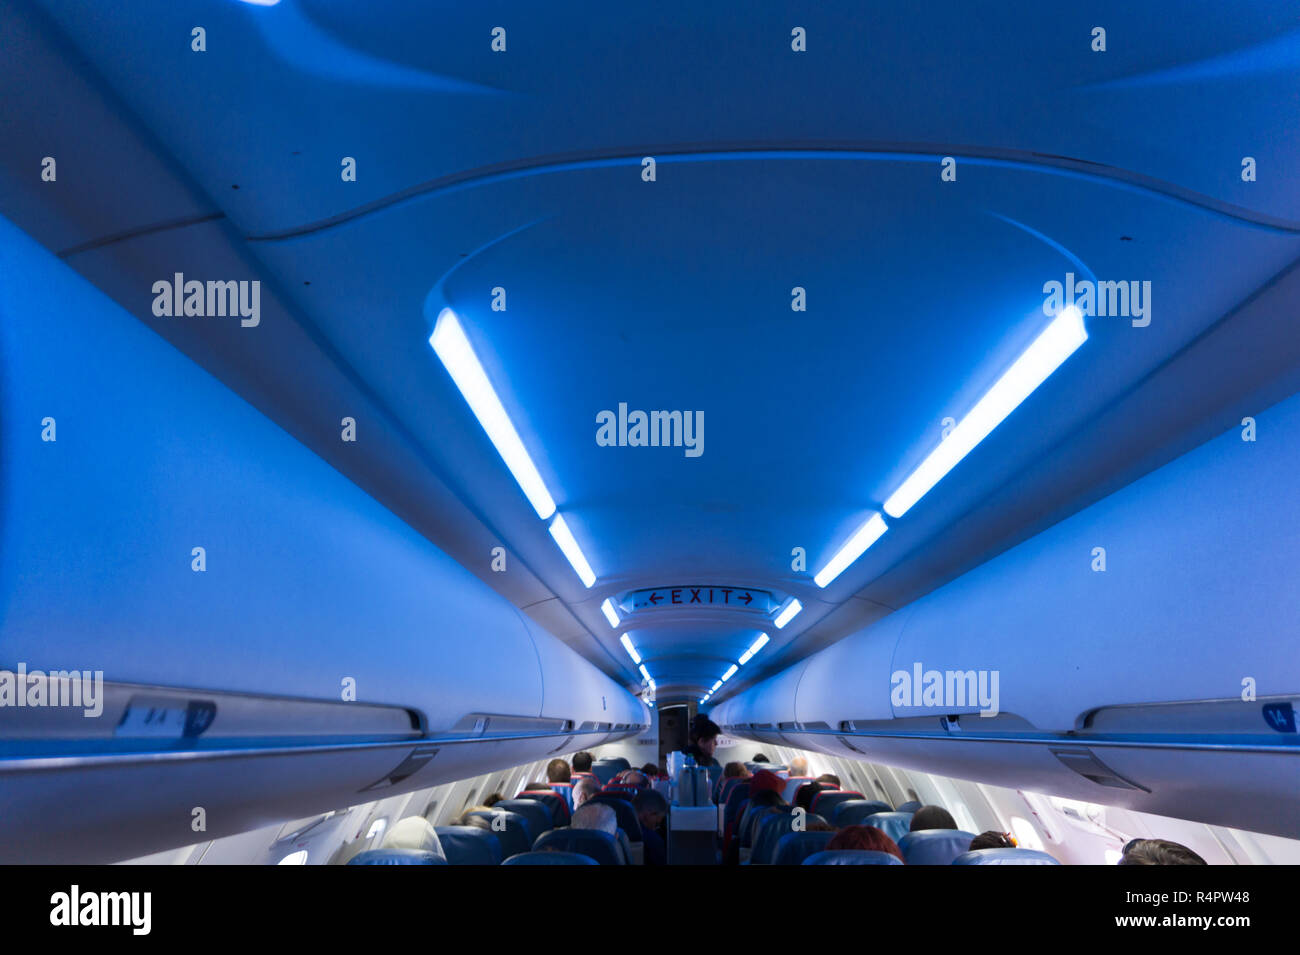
column 522, row 170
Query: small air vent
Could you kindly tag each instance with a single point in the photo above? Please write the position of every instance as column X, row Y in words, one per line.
column 1082, row 761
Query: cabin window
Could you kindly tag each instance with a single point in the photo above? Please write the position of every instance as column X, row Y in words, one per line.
column 1026, row 835
column 294, row 858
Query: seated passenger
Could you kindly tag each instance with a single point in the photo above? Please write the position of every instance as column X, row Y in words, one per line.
column 413, row 832
column 633, row 777
column 799, row 766
column 467, row 817
column 992, row 840
column 829, row 778
column 557, row 771
column 492, row 800
column 651, row 809
column 584, row 789
column 651, row 770
column 760, row 758
column 767, row 781
column 932, row 817
column 805, row 795
column 1159, row 852
column 582, row 762
column 738, row 770
column 536, row 787
column 867, row 838
column 595, row 815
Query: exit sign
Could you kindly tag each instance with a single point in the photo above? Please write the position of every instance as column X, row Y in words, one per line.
column 699, row 598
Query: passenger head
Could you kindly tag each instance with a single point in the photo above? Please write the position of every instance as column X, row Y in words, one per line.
column 584, row 789
column 536, row 787
column 815, row 823
column 867, row 838
column 932, row 817
column 413, row 832
column 737, row 770
column 829, row 778
column 651, row 770
column 582, row 762
column 1159, row 852
column 766, row 797
column 557, row 771
column 704, row 734
column 467, row 818
column 992, row 840
column 492, row 800
column 760, row 758
column 799, row 766
column 806, row 793
column 765, row 780
column 651, row 807
column 595, row 815
column 634, row 777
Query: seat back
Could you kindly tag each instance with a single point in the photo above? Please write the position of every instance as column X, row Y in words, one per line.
column 892, row 824
column 510, row 829
column 397, row 857
column 770, row 828
column 724, row 786
column 731, row 812
column 792, row 786
column 851, row 812
column 607, row 769
column 934, row 846
column 794, row 847
column 852, row 857
column 565, row 792
column 912, row 806
column 537, row 815
column 559, row 810
column 628, row 820
column 469, row 845
column 594, row 843
column 550, row 858
column 824, row 802
column 1005, row 857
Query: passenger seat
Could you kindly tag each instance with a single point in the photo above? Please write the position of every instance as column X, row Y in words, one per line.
column 852, row 857
column 550, row 858
column 469, row 845
column 893, row 824
column 594, row 843
column 1005, row 857
column 934, row 846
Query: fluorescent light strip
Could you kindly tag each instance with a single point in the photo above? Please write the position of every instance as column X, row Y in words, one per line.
column 631, row 650
column 731, row 671
column 644, row 672
column 1049, row 351
column 564, row 537
column 786, row 615
column 607, row 608
column 754, row 647
column 714, row 689
column 854, row 547
column 457, row 355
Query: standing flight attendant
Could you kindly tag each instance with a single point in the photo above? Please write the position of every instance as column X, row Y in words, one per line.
column 704, row 740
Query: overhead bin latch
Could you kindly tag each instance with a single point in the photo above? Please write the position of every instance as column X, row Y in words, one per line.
column 1086, row 764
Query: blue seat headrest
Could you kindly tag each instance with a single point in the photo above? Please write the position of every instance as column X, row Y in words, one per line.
column 794, row 847
column 538, row 816
column 469, row 845
column 852, row 812
column 912, row 806
column 514, row 836
column 934, row 846
column 628, row 820
column 550, row 858
column 852, row 857
column 892, row 824
column 397, row 857
column 595, row 843
column 1005, row 857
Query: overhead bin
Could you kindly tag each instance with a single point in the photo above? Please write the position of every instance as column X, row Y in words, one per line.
column 244, row 608
column 1133, row 651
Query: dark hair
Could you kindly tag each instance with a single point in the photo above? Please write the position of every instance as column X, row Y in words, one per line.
column 582, row 762
column 649, row 800
column 493, row 799
column 868, row 838
column 932, row 817
column 806, row 793
column 759, row 758
column 735, row 770
column 828, row 778
column 557, row 771
column 1159, row 852
column 992, row 840
column 650, row 769
column 537, row 788
column 703, row 728
column 766, row 797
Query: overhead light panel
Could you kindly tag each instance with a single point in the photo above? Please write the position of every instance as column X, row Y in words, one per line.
column 631, row 650
column 731, row 671
column 853, row 548
column 564, row 537
column 714, row 689
column 1049, row 351
column 644, row 672
column 607, row 608
column 457, row 355
column 787, row 614
column 754, row 647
